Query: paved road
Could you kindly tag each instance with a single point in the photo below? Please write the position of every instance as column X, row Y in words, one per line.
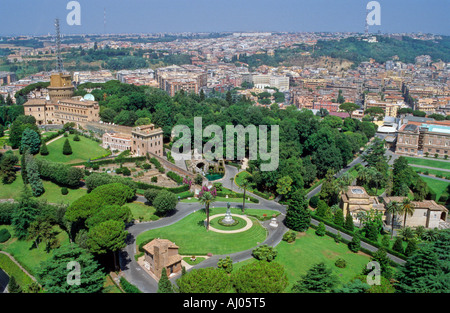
column 4, row 280
column 430, row 168
column 436, row 178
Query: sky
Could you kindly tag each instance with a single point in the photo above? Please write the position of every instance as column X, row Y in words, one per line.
column 36, row 17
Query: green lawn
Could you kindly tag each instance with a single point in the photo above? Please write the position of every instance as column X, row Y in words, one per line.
column 52, row 191
column 429, row 162
column 12, row 269
column 83, row 150
column 138, row 210
column 432, row 172
column 191, row 236
column 309, row 249
column 25, row 253
column 438, row 186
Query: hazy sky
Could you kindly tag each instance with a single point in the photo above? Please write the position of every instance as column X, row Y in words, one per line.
column 36, row 17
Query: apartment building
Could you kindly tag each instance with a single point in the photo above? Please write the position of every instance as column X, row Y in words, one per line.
column 175, row 78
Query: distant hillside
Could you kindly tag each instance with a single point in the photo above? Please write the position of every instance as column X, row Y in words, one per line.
column 358, row 51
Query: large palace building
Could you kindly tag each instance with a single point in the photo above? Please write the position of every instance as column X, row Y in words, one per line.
column 61, row 106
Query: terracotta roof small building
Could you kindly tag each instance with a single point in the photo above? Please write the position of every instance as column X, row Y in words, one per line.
column 356, row 199
column 162, row 254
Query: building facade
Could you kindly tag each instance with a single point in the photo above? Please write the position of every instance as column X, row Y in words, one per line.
column 418, row 139
column 60, row 106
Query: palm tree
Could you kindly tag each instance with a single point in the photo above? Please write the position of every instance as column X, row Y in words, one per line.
column 244, row 184
column 363, row 175
column 393, row 208
column 206, row 199
column 407, row 209
column 344, row 181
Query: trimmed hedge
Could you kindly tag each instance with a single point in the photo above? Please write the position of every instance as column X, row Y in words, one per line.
column 59, row 173
column 175, row 177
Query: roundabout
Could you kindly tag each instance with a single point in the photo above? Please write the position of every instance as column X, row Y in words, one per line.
column 244, row 223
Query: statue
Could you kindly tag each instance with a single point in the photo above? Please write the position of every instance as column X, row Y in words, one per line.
column 228, row 219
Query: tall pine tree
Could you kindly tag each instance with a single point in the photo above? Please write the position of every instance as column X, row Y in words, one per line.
column 164, row 284
column 33, row 177
column 298, row 215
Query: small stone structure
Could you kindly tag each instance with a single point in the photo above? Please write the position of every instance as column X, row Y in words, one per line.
column 162, row 254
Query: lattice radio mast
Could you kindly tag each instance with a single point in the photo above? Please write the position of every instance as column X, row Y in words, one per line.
column 59, row 62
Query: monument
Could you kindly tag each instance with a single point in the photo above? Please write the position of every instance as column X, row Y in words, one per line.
column 228, row 219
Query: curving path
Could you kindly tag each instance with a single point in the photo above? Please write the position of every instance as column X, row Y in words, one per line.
column 136, row 275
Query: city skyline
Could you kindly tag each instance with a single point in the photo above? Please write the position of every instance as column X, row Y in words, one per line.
column 177, row 16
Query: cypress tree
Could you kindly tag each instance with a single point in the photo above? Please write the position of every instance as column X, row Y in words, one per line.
column 355, row 244
column 298, row 215
column 321, row 229
column 398, row 245
column 67, row 149
column 348, row 225
column 164, row 285
column 339, row 218
column 33, row 177
column 23, row 166
column 44, row 149
column 411, row 247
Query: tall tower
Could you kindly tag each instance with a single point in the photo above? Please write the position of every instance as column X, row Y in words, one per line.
column 366, row 27
column 104, row 21
column 59, row 62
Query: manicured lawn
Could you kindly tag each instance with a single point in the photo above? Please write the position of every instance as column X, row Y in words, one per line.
column 82, row 150
column 438, row 186
column 191, row 236
column 138, row 210
column 432, row 172
column 197, row 260
column 12, row 269
column 429, row 162
column 309, row 249
column 25, row 252
column 52, row 191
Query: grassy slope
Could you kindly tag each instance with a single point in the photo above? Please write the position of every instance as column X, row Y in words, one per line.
column 82, row 150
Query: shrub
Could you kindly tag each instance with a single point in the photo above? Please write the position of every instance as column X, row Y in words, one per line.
column 175, row 177
column 126, row 171
column 289, row 236
column 225, row 264
column 314, row 201
column 150, row 195
column 154, row 179
column 164, row 202
column 320, row 231
column 265, row 253
column 341, row 263
column 76, row 138
column 66, row 135
column 64, row 191
column 67, row 149
column 44, row 149
column 61, row 174
column 146, row 166
column 4, row 235
column 98, row 179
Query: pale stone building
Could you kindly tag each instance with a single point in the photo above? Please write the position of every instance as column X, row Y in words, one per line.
column 61, row 106
column 427, row 213
column 356, row 199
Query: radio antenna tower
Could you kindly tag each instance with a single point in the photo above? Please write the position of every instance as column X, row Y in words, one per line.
column 104, row 21
column 366, row 28
column 59, row 62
